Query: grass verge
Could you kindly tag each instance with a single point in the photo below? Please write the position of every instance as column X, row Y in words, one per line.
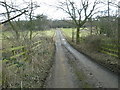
column 90, row 51
column 32, row 72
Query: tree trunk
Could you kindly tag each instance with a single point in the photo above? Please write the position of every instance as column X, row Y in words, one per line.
column 97, row 30
column 77, row 35
column 31, row 34
column 91, row 27
column 15, row 30
column 72, row 35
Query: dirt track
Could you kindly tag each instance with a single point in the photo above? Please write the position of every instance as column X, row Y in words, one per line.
column 63, row 76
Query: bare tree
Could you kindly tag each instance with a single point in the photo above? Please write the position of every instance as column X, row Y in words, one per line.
column 32, row 6
column 10, row 9
column 79, row 14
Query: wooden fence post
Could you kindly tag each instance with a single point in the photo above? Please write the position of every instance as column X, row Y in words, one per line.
column 13, row 51
column 119, row 30
column 72, row 35
column 23, row 50
column 119, row 37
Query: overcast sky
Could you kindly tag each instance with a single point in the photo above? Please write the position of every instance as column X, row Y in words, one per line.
column 47, row 7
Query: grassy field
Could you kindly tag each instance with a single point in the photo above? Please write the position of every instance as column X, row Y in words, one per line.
column 83, row 32
column 9, row 36
column 29, row 73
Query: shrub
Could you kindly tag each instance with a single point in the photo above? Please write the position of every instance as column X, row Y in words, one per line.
column 94, row 41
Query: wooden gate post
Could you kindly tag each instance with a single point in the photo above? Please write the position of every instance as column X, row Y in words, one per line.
column 119, row 30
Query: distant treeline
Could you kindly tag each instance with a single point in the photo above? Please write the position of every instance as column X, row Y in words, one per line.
column 62, row 24
column 40, row 23
column 104, row 25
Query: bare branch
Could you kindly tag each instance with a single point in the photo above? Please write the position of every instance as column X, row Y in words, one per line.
column 76, row 13
column 13, row 17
